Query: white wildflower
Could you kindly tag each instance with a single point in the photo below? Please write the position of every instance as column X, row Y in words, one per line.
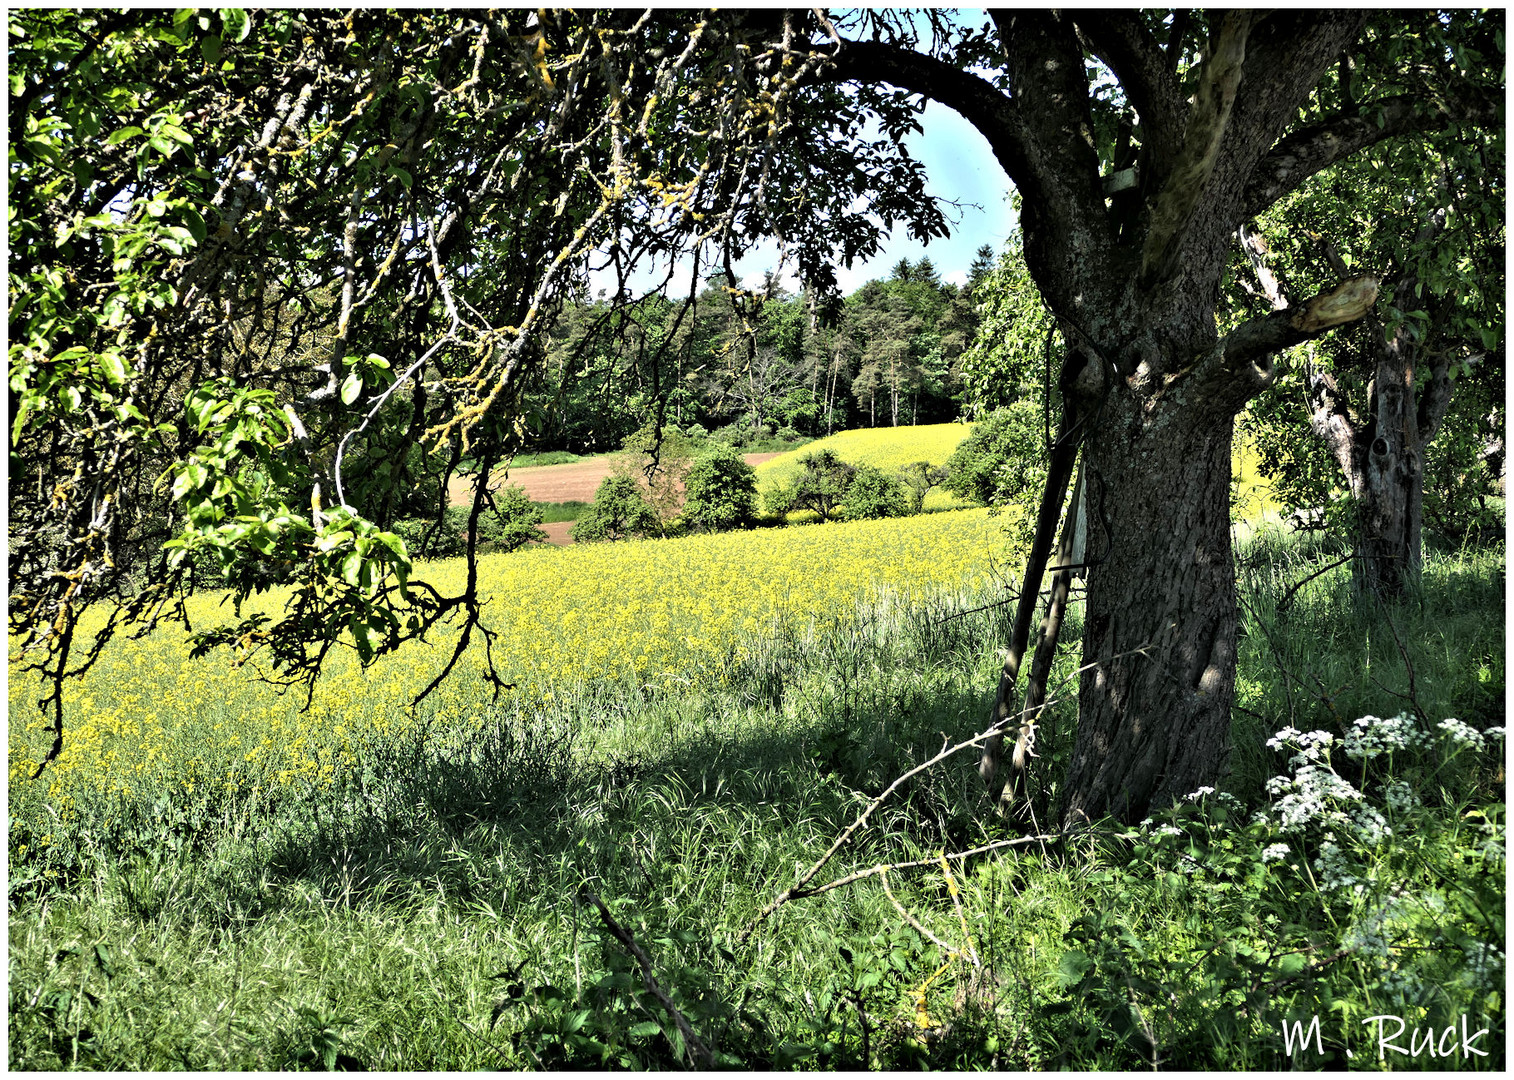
column 1400, row 796
column 1370, row 826
column 1307, row 796
column 1282, row 738
column 1274, row 853
column 1195, row 796
column 1310, row 744
column 1371, row 736
column 1485, row 965
column 1461, row 734
column 1335, row 869
column 1369, row 934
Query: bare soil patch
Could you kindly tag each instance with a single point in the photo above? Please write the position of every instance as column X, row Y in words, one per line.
column 557, row 483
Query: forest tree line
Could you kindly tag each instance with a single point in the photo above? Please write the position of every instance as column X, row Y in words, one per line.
column 889, row 354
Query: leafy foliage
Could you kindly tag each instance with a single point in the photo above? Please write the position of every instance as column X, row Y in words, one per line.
column 721, row 490
column 1007, row 359
column 821, row 485
column 511, row 522
column 1003, row 460
column 873, row 493
column 619, row 511
column 1425, row 214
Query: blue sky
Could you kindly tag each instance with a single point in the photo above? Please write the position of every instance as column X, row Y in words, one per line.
column 959, row 166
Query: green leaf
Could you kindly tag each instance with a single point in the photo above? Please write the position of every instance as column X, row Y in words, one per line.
column 645, row 1029
column 1073, row 966
column 260, row 541
column 121, row 136
column 402, row 175
column 210, row 48
column 113, row 368
column 352, row 386
column 236, row 23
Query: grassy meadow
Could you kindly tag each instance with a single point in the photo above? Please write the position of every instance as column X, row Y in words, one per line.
column 211, row 878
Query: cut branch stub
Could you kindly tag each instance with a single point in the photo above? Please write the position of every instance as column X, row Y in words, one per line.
column 1344, row 304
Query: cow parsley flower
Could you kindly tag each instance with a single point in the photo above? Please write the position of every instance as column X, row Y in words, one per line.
column 1309, row 744
column 1485, row 965
column 1369, row 934
column 1372, row 736
column 1370, row 826
column 1335, row 869
column 1462, row 734
column 1400, row 796
column 1275, row 853
column 1307, row 796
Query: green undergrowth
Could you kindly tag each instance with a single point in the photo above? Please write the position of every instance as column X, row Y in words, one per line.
column 547, row 457
column 435, row 907
column 571, row 510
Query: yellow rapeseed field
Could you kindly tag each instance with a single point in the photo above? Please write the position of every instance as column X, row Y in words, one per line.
column 886, row 448
column 676, row 613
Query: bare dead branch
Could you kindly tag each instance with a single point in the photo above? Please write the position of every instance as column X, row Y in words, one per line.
column 699, row 1053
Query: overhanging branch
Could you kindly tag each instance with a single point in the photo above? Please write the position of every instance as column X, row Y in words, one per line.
column 1318, row 146
column 1254, row 341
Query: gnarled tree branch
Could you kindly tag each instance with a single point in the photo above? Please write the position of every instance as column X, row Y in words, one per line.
column 1207, row 121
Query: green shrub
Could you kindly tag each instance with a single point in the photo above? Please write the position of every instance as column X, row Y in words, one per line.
column 1003, row 460
column 721, row 490
column 822, row 483
column 618, row 512
column 873, row 493
column 426, row 538
column 511, row 524
column 778, row 501
column 513, row 521
column 737, row 434
column 917, row 478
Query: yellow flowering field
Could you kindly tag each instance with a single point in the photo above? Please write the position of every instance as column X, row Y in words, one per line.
column 886, row 448
column 673, row 613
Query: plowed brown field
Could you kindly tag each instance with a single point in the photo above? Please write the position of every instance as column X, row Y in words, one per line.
column 558, row 483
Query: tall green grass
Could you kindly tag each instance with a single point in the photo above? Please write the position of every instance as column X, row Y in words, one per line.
column 571, row 510
column 432, row 909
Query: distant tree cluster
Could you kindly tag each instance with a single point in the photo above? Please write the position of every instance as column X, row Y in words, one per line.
column 779, row 366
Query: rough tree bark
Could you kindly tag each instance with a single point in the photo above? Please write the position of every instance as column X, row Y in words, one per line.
column 1144, row 362
column 1382, row 454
